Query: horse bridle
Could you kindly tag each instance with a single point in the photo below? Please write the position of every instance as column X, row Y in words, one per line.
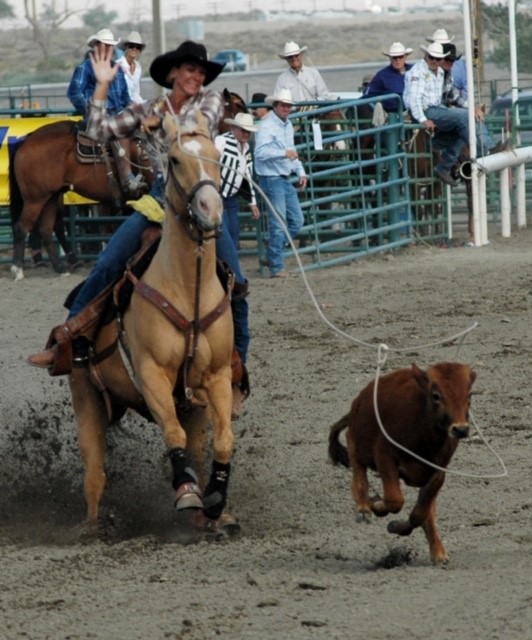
column 192, row 219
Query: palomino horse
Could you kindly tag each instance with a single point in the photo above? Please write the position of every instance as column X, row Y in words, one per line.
column 179, row 341
column 37, row 184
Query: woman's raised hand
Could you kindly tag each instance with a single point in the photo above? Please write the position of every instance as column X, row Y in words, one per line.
column 101, row 58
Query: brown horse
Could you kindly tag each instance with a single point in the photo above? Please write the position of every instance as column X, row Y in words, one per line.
column 37, row 184
column 426, row 191
column 179, row 342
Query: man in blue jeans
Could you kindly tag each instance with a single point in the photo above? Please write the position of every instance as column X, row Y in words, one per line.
column 276, row 159
column 423, row 96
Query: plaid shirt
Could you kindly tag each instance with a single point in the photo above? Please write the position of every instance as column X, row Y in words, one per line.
column 423, row 89
column 83, row 84
column 102, row 127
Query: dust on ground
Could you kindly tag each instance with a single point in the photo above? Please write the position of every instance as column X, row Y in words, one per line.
column 302, row 568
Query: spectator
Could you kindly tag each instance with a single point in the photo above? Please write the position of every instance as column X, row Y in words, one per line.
column 391, row 79
column 423, row 98
column 275, row 160
column 262, row 111
column 236, row 172
column 80, row 92
column 458, row 71
column 130, row 65
column 304, row 83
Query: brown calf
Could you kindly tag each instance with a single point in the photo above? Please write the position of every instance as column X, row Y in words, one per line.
column 426, row 412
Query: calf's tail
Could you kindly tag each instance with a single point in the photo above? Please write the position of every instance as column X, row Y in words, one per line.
column 338, row 451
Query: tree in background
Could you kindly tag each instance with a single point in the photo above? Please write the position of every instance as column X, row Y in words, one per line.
column 6, row 10
column 496, row 26
column 98, row 18
column 46, row 24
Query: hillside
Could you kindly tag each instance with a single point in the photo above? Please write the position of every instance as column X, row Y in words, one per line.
column 358, row 38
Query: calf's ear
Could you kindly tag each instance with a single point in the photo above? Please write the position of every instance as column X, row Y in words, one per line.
column 420, row 376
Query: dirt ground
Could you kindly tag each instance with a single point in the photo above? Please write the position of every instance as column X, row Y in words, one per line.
column 302, row 568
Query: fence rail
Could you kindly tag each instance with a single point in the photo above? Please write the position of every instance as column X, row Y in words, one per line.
column 358, row 201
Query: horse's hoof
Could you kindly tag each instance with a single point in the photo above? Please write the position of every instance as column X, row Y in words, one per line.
column 188, row 496
column 225, row 527
column 18, row 272
column 60, row 269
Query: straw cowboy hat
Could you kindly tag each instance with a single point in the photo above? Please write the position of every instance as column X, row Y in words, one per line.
column 134, row 37
column 105, row 36
column 435, row 50
column 187, row 51
column 398, row 49
column 242, row 121
column 291, row 49
column 284, row 95
column 441, row 36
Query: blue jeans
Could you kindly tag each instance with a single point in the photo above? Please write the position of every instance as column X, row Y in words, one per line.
column 283, row 196
column 125, row 242
column 456, row 121
column 111, row 262
column 226, row 252
column 231, row 221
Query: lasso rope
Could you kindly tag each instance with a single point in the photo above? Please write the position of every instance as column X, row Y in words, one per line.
column 382, row 350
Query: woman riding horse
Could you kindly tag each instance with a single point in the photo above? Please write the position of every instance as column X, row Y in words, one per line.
column 186, row 71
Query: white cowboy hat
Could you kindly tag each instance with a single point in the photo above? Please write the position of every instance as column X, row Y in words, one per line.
column 435, row 50
column 242, row 121
column 441, row 36
column 284, row 95
column 398, row 49
column 291, row 49
column 105, row 36
column 133, row 37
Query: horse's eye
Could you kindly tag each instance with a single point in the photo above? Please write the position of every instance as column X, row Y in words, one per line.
column 436, row 396
column 174, row 161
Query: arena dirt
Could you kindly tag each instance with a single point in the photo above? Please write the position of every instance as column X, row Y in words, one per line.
column 302, row 568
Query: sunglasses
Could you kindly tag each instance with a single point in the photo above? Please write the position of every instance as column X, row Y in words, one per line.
column 133, row 46
column 397, row 57
column 433, row 58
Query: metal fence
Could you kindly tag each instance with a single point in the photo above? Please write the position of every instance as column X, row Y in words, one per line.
column 360, row 199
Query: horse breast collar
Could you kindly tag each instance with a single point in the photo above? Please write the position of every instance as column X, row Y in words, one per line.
column 191, row 328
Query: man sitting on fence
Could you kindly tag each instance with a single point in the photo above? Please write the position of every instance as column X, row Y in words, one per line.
column 423, row 97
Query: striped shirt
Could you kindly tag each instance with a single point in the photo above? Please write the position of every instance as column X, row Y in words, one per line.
column 102, row 127
column 423, row 89
column 236, row 166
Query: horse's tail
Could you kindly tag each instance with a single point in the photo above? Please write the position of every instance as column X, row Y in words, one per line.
column 16, row 202
column 338, row 451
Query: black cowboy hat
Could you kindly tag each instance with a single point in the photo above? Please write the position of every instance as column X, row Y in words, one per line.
column 259, row 97
column 187, row 51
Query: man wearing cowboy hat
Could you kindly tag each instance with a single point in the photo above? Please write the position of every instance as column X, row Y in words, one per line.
column 236, row 169
column 276, row 159
column 458, row 71
column 391, row 79
column 186, row 71
column 132, row 47
column 304, row 83
column 423, row 97
column 80, row 91
column 259, row 111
